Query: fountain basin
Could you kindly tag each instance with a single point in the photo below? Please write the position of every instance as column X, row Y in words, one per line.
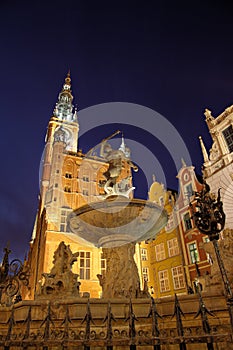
column 117, row 220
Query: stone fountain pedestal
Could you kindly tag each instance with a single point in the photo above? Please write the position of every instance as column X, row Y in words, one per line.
column 121, row 279
column 116, row 224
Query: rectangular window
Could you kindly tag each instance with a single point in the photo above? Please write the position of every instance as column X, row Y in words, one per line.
column 178, row 277
column 228, row 135
column 206, row 239
column 67, row 189
column 68, row 175
column 187, row 222
column 102, row 265
column 188, row 191
column 63, row 220
column 145, row 274
column 85, row 192
column 160, row 252
column 144, row 254
column 173, row 248
column 164, row 281
column 86, row 178
column 193, row 253
column 84, row 265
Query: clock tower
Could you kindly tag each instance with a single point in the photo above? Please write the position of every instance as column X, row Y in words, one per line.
column 63, row 126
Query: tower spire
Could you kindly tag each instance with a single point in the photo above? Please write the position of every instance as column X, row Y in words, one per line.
column 64, row 107
column 204, row 152
column 67, row 81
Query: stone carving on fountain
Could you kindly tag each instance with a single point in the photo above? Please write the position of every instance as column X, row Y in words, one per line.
column 214, row 280
column 120, row 263
column 61, row 280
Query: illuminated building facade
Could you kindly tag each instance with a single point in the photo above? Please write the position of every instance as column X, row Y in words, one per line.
column 196, row 260
column 218, row 163
column 161, row 258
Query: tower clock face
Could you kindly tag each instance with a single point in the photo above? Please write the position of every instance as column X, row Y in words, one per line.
column 67, row 137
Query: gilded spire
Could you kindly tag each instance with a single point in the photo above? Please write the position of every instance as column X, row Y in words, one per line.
column 67, row 85
column 204, row 152
column 64, row 108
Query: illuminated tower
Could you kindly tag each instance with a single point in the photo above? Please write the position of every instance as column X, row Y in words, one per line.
column 65, row 124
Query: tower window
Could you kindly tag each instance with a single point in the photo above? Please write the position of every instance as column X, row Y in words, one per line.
column 86, row 178
column 85, row 192
column 67, row 189
column 68, row 176
column 228, row 135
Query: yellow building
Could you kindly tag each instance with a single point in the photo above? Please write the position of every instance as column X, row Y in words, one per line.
column 69, row 179
column 162, row 257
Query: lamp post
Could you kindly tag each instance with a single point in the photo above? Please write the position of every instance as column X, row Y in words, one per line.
column 209, row 218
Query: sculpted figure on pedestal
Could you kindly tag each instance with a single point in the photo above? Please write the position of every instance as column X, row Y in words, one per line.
column 115, row 160
column 61, row 280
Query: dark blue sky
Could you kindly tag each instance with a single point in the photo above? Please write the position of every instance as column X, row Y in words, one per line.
column 173, row 57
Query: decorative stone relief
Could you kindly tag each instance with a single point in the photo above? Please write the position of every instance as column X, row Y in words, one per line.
column 214, row 280
column 61, row 280
column 214, row 152
column 121, row 279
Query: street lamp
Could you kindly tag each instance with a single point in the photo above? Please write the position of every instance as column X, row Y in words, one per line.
column 209, row 218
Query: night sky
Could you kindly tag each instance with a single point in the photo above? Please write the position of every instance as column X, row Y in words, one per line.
column 173, row 57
